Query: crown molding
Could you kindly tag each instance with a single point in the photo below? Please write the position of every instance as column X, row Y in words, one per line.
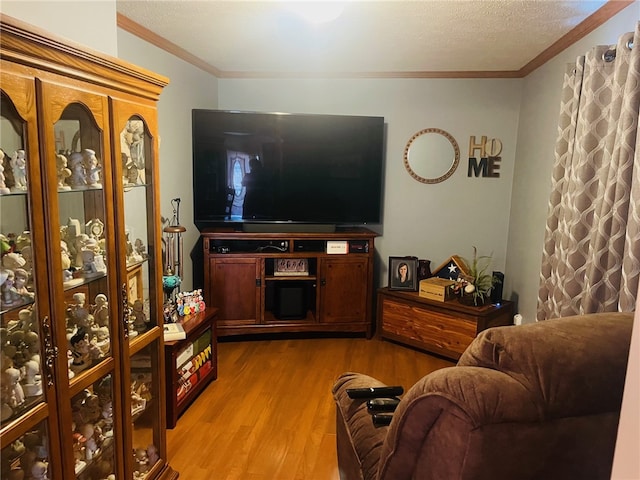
column 598, row 18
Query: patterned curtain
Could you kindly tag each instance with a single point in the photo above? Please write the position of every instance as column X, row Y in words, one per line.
column 591, row 256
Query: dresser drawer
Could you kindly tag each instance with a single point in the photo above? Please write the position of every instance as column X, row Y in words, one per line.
column 434, row 331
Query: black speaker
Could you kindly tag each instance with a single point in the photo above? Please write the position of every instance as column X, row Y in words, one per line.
column 290, row 302
column 496, row 293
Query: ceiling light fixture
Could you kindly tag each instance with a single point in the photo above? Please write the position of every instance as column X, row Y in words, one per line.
column 317, row 12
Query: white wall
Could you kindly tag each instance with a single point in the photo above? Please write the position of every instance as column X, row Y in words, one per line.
column 91, row 24
column 535, row 156
column 428, row 221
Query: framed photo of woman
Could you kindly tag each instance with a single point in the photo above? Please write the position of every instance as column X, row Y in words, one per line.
column 403, row 273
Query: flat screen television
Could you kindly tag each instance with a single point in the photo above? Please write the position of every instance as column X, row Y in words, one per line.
column 273, row 170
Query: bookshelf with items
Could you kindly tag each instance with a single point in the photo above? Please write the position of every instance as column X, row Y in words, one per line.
column 191, row 361
column 79, row 221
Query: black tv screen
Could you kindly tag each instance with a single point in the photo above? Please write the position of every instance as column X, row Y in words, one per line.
column 278, row 168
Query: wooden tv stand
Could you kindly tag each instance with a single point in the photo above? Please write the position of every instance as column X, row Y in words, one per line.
column 334, row 294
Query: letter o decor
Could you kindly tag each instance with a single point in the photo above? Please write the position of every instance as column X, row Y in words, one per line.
column 431, row 155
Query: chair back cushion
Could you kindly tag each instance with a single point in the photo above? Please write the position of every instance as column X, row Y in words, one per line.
column 528, row 402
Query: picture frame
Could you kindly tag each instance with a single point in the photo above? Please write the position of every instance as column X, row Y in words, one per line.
column 398, row 279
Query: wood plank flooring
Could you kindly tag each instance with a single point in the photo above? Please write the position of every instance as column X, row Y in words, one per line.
column 270, row 414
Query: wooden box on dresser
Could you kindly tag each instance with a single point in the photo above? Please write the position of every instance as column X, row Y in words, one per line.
column 445, row 328
column 334, row 293
column 83, row 393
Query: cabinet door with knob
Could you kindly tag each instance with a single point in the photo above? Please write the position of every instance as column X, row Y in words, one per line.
column 343, row 292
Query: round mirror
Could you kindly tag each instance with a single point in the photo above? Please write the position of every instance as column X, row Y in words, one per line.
column 431, row 155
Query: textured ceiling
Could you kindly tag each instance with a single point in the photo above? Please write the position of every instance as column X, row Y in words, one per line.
column 400, row 37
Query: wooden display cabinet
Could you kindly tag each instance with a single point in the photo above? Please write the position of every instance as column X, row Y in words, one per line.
column 445, row 328
column 192, row 363
column 333, row 294
column 82, row 394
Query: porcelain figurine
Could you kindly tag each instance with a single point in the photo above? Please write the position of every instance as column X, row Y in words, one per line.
column 63, row 172
column 27, row 255
column 140, row 320
column 13, row 261
column 102, row 340
column 4, row 190
column 32, row 383
column 78, row 315
column 19, row 167
column 21, row 280
column 12, row 378
column 101, row 310
column 64, row 255
column 92, row 168
column 78, row 178
column 9, row 296
column 80, row 353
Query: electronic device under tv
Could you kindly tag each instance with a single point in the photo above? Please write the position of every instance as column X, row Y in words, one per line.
column 280, row 171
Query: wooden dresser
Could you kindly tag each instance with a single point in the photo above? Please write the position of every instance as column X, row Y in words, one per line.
column 444, row 328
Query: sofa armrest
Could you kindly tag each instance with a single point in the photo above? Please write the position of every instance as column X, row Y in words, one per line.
column 358, row 440
column 433, row 424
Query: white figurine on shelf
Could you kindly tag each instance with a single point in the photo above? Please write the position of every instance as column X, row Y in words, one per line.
column 90, row 445
column 140, row 320
column 3, row 185
column 21, row 280
column 102, row 340
column 78, row 178
column 27, row 255
column 13, row 261
column 19, row 168
column 32, row 345
column 101, row 310
column 64, row 255
column 23, row 240
column 12, row 378
column 80, row 352
column 38, row 471
column 91, row 168
column 32, row 383
column 79, row 244
column 9, row 296
column 63, row 172
column 78, row 314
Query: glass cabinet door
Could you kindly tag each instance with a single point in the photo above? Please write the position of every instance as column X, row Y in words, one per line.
column 134, row 128
column 28, row 426
column 80, row 224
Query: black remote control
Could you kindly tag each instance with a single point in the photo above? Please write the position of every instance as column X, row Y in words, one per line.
column 375, row 392
column 382, row 404
column 382, row 419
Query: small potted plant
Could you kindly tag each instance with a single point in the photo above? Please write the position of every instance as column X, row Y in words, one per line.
column 476, row 285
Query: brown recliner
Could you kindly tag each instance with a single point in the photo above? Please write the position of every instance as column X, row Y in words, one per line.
column 538, row 401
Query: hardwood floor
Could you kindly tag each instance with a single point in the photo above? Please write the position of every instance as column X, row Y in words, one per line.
column 270, row 414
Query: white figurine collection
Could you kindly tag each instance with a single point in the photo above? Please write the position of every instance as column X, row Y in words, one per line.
column 25, row 458
column 20, row 362
column 87, row 324
column 92, row 431
column 133, row 160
